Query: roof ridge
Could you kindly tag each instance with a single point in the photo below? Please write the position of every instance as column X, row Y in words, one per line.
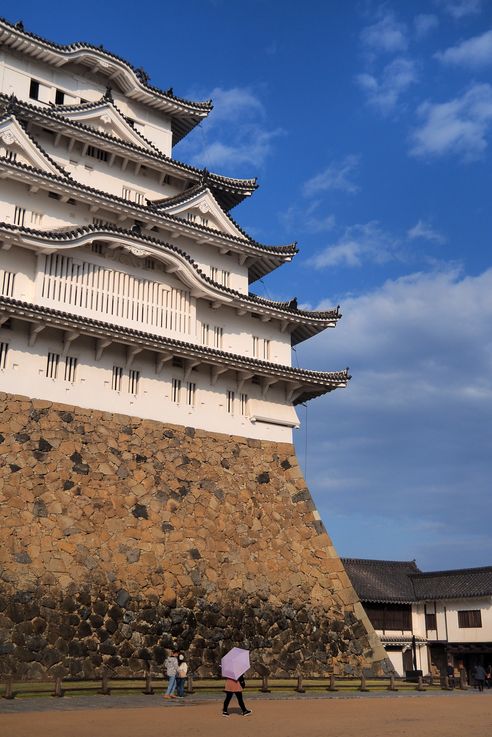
column 139, row 73
column 290, row 249
column 452, row 572
column 10, row 113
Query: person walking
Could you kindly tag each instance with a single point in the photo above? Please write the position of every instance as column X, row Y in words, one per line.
column 479, row 676
column 181, row 674
column 171, row 666
column 235, row 687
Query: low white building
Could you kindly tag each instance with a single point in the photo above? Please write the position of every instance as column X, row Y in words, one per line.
column 427, row 620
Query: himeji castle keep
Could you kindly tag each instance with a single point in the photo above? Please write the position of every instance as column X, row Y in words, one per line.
column 150, row 495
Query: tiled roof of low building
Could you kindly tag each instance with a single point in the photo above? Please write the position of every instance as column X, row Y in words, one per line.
column 390, row 581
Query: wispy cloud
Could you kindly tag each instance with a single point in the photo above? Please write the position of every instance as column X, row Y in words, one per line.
column 336, row 176
column 386, row 35
column 424, row 23
column 359, row 244
column 236, row 133
column 423, row 231
column 474, row 52
column 460, row 8
column 384, row 92
column 459, row 126
column 312, row 219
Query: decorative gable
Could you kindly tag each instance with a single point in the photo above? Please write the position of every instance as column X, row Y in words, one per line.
column 202, row 208
column 16, row 144
column 106, row 118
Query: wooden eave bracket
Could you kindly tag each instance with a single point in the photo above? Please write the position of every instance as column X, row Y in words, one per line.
column 266, row 383
column 101, row 345
column 190, row 364
column 215, row 372
column 131, row 352
column 68, row 338
column 160, row 360
column 242, row 378
column 293, row 391
column 34, row 331
column 4, row 319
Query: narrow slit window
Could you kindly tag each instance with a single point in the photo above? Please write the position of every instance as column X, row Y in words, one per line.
column 205, row 333
column 266, row 350
column 36, row 218
column 190, row 393
column 52, row 365
column 175, row 390
column 218, row 335
column 133, row 381
column 244, row 404
column 59, row 97
column 7, row 279
column 70, row 369
column 256, row 346
column 230, row 402
column 117, row 378
column 225, row 278
column 97, row 248
column 34, row 89
column 4, row 349
column 97, row 153
column 19, row 215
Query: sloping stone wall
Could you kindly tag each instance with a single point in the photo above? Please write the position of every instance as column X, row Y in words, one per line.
column 120, row 537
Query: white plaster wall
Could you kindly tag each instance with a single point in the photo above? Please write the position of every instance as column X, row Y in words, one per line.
column 16, row 72
column 396, row 658
column 447, row 613
column 25, row 374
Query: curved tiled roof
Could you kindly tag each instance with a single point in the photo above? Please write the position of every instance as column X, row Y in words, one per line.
column 41, row 150
column 315, row 383
column 280, row 253
column 229, row 191
column 185, row 113
column 393, row 581
column 282, row 310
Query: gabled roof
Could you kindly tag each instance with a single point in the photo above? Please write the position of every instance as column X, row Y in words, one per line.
column 200, row 198
column 382, row 581
column 133, row 82
column 303, row 323
column 393, row 581
column 265, row 258
column 13, row 135
column 105, row 117
column 229, row 191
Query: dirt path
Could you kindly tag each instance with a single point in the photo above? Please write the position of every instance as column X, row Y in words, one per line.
column 431, row 716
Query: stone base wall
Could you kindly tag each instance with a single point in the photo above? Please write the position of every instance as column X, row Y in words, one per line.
column 121, row 537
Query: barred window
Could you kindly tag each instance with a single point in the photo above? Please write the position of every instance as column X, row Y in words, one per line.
column 218, row 335
column 133, row 381
column 244, row 404
column 7, row 279
column 70, row 368
column 225, row 276
column 469, row 618
column 190, row 393
column 175, row 390
column 4, row 348
column 214, row 273
column 205, row 333
column 230, row 402
column 117, row 378
column 52, row 365
column 97, row 248
column 430, row 621
column 36, row 218
column 19, row 215
column 97, row 153
column 149, row 264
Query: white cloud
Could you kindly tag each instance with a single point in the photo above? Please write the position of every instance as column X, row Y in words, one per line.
column 384, row 93
column 359, row 244
column 424, row 24
column 459, row 126
column 310, row 219
column 235, row 135
column 474, row 52
column 424, row 231
column 460, row 8
column 408, row 442
column 336, row 176
column 387, row 35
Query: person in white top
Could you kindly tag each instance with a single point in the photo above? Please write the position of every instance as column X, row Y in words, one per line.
column 181, row 675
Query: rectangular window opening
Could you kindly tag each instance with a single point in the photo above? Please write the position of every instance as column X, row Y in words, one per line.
column 190, row 393
column 19, row 215
column 133, row 381
column 175, row 390
column 97, row 153
column 117, row 378
column 230, row 402
column 34, row 89
column 52, row 365
column 244, row 404
column 469, row 618
column 59, row 97
column 218, row 336
column 7, row 279
column 4, row 347
column 70, row 369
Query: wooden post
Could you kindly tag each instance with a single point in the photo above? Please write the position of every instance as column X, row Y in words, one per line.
column 363, row 686
column 105, row 689
column 148, row 684
column 445, row 683
column 8, row 693
column 58, row 687
column 189, row 684
column 332, row 686
column 463, row 680
column 420, row 684
column 299, row 687
column 264, row 685
column 392, row 686
column 431, row 679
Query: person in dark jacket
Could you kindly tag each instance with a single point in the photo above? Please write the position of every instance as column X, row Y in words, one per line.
column 479, row 676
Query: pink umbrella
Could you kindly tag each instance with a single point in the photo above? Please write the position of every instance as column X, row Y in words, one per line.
column 235, row 663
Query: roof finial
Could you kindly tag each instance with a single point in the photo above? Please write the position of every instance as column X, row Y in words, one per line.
column 19, row 25
column 12, row 103
column 108, row 95
column 205, row 174
column 170, row 91
column 142, row 75
column 293, row 303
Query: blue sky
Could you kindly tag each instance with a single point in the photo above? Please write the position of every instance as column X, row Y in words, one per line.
column 369, row 126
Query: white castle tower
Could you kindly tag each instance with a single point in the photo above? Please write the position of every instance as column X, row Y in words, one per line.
column 124, row 280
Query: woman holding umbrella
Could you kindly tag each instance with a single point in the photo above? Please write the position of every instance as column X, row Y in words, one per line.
column 234, row 666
